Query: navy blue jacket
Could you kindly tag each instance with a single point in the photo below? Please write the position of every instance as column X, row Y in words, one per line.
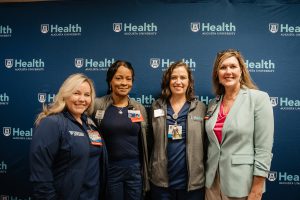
column 58, row 158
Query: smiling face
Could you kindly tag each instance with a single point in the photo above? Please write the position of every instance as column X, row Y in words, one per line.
column 179, row 81
column 121, row 82
column 229, row 73
column 80, row 100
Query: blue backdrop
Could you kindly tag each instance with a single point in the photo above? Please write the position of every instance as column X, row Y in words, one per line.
column 42, row 43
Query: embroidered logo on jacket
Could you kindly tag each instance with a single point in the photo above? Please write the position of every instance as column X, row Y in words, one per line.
column 76, row 133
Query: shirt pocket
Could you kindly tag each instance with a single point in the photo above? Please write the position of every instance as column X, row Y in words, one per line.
column 240, row 159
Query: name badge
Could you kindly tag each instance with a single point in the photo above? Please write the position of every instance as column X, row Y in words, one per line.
column 95, row 137
column 159, row 113
column 99, row 114
column 135, row 115
column 175, row 132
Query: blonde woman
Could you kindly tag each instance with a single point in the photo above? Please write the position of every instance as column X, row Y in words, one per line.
column 67, row 156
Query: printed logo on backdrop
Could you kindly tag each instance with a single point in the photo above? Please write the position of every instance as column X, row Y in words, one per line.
column 6, row 131
column 4, row 99
column 285, row 103
column 9, row 63
column 90, row 64
column 210, row 29
column 274, row 101
column 56, row 30
column 35, row 64
column 46, row 98
column 164, row 63
column 146, row 100
column 285, row 30
column 272, row 176
column 17, row 133
column 44, row 28
column 260, row 66
column 284, row 178
column 154, row 62
column 131, row 29
column 273, row 27
column 3, row 168
column 117, row 27
column 195, row 26
column 5, row 31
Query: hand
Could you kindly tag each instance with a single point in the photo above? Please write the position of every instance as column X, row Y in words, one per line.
column 254, row 196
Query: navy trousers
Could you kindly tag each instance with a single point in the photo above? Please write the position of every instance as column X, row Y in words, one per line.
column 124, row 183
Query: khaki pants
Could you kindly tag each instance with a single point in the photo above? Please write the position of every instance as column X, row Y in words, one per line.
column 215, row 193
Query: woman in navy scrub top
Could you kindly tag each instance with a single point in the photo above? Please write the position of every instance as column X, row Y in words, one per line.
column 67, row 156
column 123, row 123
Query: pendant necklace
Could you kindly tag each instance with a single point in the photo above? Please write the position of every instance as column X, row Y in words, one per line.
column 120, row 110
column 175, row 116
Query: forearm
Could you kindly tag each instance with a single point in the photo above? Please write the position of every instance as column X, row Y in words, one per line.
column 257, row 188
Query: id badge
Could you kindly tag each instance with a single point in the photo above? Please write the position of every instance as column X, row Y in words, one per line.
column 95, row 137
column 99, row 114
column 175, row 132
column 159, row 113
column 135, row 115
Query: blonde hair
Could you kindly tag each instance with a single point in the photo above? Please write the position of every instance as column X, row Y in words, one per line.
column 245, row 76
column 65, row 91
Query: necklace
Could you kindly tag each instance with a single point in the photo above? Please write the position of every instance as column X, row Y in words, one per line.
column 175, row 116
column 120, row 110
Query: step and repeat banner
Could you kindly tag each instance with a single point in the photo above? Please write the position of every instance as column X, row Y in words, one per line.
column 43, row 43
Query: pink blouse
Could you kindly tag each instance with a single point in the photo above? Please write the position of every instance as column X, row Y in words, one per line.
column 219, row 123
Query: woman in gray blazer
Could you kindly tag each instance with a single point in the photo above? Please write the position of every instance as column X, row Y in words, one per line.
column 240, row 127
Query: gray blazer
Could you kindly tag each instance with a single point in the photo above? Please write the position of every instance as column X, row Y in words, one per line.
column 247, row 140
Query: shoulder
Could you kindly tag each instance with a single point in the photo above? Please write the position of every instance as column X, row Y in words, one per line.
column 51, row 126
column 158, row 103
column 213, row 102
column 198, row 103
column 137, row 105
column 51, row 120
column 197, row 107
column 102, row 102
column 258, row 94
column 101, row 99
